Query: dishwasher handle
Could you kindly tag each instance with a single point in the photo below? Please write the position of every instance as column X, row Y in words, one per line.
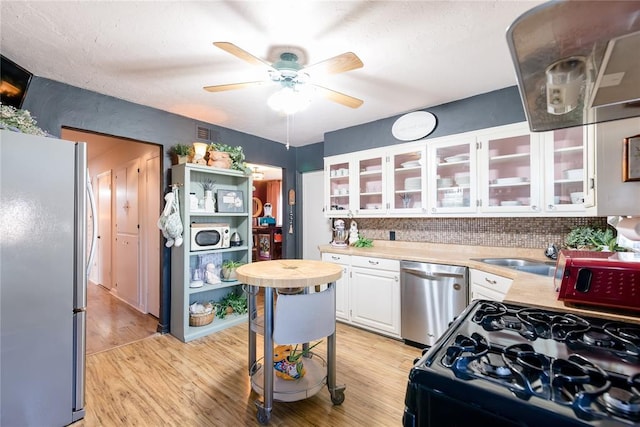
column 432, row 275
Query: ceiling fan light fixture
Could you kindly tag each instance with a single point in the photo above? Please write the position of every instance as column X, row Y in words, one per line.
column 289, row 100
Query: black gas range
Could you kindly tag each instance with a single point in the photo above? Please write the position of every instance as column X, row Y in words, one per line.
column 508, row 365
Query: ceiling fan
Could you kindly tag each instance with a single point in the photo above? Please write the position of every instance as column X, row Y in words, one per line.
column 291, row 74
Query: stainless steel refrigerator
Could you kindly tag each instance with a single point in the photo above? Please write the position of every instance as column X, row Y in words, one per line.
column 44, row 193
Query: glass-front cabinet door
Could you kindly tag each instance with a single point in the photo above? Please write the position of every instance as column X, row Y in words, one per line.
column 407, row 179
column 452, row 176
column 338, row 186
column 371, row 181
column 565, row 169
column 510, row 170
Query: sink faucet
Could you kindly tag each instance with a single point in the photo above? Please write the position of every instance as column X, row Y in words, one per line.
column 551, row 251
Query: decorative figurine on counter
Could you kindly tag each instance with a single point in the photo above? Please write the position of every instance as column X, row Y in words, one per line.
column 353, row 233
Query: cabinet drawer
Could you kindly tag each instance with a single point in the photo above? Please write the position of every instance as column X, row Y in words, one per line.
column 377, row 263
column 490, row 281
column 480, row 292
column 336, row 258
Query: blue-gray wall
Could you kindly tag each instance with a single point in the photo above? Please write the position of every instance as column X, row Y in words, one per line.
column 495, row 108
column 56, row 105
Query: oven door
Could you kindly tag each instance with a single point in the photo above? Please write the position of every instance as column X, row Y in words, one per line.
column 436, row 398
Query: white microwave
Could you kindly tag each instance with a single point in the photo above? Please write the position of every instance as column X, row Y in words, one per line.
column 209, row 236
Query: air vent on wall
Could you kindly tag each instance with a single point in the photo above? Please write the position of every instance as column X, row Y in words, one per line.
column 207, row 134
column 203, row 133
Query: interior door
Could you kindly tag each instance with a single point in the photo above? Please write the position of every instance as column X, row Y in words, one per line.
column 127, row 236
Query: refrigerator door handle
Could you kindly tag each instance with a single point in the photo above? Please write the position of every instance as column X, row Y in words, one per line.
column 94, row 213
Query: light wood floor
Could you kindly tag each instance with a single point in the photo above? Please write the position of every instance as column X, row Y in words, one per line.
column 160, row 381
column 111, row 322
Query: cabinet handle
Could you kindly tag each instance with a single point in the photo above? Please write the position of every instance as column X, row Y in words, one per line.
column 374, row 262
column 335, row 257
column 492, row 282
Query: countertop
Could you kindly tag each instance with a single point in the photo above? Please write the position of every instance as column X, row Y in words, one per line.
column 527, row 289
column 288, row 273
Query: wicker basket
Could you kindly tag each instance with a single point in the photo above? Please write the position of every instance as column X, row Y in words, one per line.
column 201, row 319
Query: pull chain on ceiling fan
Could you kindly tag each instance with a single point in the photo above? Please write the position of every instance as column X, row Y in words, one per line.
column 291, row 75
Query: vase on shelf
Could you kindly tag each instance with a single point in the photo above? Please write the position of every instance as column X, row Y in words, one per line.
column 209, row 203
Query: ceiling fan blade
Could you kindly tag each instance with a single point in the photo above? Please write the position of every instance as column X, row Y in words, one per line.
column 338, row 64
column 233, row 86
column 338, row 97
column 242, row 54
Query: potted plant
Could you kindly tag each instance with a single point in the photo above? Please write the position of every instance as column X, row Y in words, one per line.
column 180, row 153
column 287, row 363
column 19, row 120
column 221, row 155
column 231, row 303
column 229, row 269
column 208, row 187
column 593, row 238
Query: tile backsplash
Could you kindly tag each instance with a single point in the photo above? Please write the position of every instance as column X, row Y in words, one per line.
column 503, row 232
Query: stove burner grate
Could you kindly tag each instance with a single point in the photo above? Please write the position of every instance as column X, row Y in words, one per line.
column 598, row 339
column 622, row 402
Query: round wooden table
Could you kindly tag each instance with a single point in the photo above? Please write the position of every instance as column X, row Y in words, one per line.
column 285, row 274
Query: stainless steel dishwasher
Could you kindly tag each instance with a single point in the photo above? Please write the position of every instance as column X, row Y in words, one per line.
column 431, row 296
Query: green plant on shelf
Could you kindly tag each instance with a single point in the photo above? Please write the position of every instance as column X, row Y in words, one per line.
column 231, row 303
column 180, row 150
column 235, row 153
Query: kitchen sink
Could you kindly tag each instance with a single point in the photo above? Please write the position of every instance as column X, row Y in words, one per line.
column 542, row 268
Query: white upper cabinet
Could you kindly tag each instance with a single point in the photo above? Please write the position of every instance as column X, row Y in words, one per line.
column 509, row 175
column 371, row 182
column 501, row 171
column 565, row 152
column 406, row 184
column 452, row 182
column 338, row 186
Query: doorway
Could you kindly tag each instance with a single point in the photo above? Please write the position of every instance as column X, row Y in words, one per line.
column 123, row 296
column 268, row 212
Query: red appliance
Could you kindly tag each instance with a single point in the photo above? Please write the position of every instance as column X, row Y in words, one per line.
column 599, row 278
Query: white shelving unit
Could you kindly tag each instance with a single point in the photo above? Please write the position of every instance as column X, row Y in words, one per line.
column 184, row 261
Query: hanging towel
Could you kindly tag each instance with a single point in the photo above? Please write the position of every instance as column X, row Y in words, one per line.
column 169, row 221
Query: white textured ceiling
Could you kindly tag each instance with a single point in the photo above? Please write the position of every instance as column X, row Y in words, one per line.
column 416, row 54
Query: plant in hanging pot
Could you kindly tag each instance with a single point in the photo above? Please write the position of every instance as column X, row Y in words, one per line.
column 229, row 269
column 180, row 153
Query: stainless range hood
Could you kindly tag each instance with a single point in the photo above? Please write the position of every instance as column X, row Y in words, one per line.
column 577, row 62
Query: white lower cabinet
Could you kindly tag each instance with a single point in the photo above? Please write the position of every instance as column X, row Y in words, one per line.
column 488, row 286
column 342, row 284
column 368, row 295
